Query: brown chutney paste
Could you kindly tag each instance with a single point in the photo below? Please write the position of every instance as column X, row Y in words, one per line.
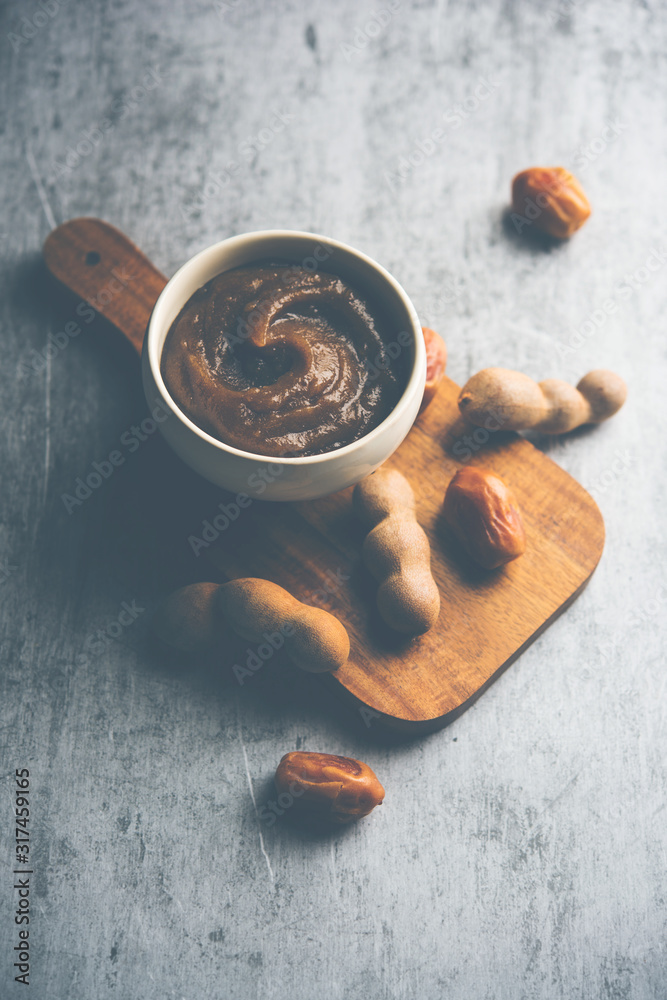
column 279, row 360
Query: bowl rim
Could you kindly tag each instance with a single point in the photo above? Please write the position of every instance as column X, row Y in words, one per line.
column 416, row 378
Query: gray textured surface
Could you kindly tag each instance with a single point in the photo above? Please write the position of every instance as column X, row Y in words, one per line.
column 521, row 852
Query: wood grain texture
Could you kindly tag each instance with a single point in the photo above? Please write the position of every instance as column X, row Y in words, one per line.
column 486, row 618
column 99, row 264
column 520, row 852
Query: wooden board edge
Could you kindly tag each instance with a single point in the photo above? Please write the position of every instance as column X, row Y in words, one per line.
column 422, row 727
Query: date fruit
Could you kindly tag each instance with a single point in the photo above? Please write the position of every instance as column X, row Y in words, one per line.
column 550, row 198
column 436, row 362
column 328, row 788
column 484, row 515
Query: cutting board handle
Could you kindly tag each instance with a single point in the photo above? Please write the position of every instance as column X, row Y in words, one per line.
column 99, row 264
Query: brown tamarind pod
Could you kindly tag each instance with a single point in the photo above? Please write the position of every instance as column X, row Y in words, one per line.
column 193, row 619
column 314, row 639
column 397, row 553
column 516, row 402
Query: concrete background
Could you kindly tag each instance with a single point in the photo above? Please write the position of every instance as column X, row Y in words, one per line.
column 520, row 854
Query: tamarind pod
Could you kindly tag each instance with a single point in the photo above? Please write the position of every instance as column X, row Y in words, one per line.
column 566, row 407
column 314, row 639
column 509, row 400
column 409, row 603
column 397, row 553
column 194, row 618
column 605, row 393
column 391, row 544
column 382, row 494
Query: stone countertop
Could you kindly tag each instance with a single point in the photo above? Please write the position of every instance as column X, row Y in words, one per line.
column 520, row 853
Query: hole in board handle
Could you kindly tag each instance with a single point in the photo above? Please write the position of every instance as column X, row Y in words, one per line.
column 92, row 258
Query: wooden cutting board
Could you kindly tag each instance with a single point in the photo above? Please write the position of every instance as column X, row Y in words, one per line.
column 313, row 548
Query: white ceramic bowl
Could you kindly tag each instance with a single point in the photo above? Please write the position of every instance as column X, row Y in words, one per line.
column 261, row 476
